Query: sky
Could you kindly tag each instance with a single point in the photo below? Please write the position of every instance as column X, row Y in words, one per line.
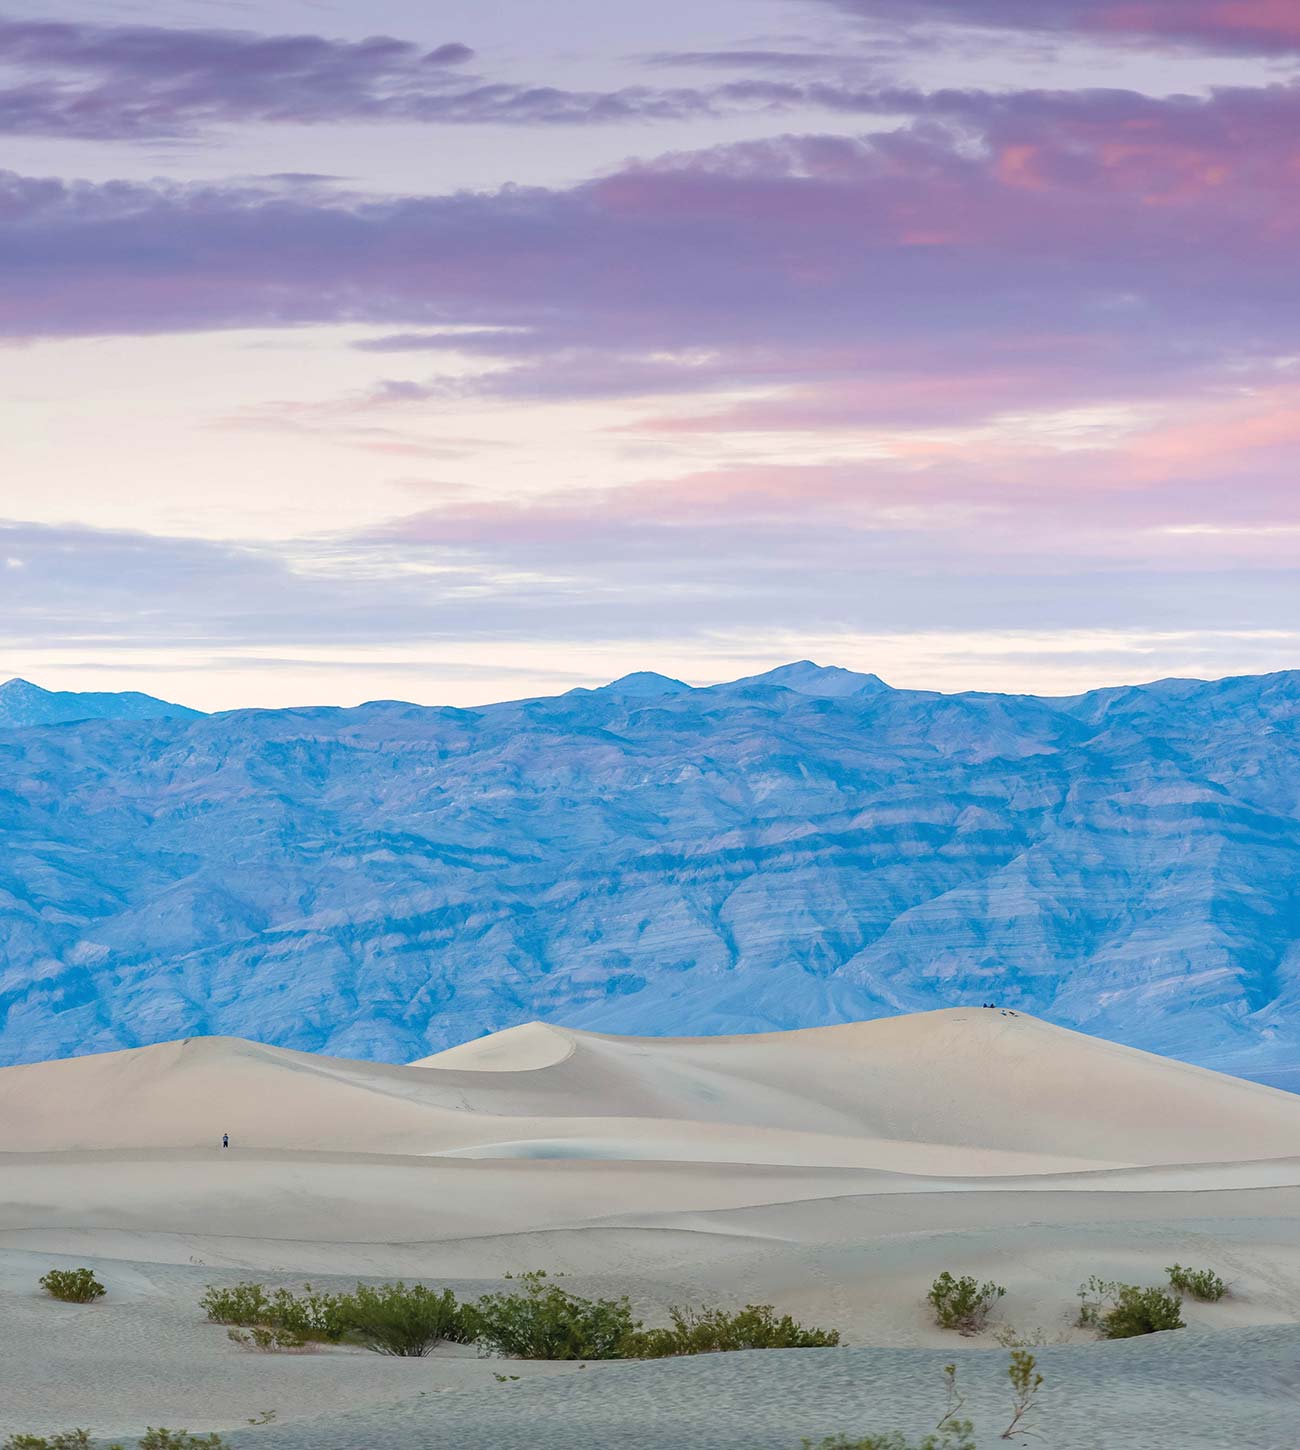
column 458, row 352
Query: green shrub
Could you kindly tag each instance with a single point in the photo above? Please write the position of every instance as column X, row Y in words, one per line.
column 68, row 1440
column 243, row 1304
column 962, row 1304
column 1009, row 1337
column 179, row 1440
column 708, row 1331
column 394, row 1319
column 544, row 1321
column 953, row 1432
column 80, row 1440
column 1141, row 1311
column 953, row 1437
column 1122, row 1311
column 1203, row 1284
column 1026, row 1382
column 1095, row 1296
column 260, row 1336
column 73, row 1286
column 310, row 1315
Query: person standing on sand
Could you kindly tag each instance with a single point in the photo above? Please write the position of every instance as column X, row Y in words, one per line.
column 225, row 1140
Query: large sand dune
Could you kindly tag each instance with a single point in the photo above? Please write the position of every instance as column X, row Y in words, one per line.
column 965, row 1090
column 832, row 1171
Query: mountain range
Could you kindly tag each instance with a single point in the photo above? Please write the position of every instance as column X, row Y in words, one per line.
column 797, row 848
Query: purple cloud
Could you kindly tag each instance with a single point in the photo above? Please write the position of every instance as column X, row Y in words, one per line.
column 818, row 62
column 99, row 82
column 1229, row 27
column 1153, row 236
column 105, row 82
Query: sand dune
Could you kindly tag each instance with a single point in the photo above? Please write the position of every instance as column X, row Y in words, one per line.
column 965, row 1090
column 832, row 1171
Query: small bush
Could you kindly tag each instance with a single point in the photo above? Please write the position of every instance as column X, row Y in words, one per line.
column 1009, row 1337
column 953, row 1432
column 710, row 1331
column 68, row 1440
column 1026, row 1381
column 263, row 1338
column 1095, row 1296
column 962, row 1304
column 951, row 1438
column 1123, row 1311
column 73, row 1286
column 311, row 1315
column 179, row 1440
column 544, row 1321
column 80, row 1440
column 393, row 1319
column 1203, row 1284
column 244, row 1304
column 1141, row 1311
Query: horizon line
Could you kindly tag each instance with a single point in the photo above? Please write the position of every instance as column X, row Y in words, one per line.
column 872, row 683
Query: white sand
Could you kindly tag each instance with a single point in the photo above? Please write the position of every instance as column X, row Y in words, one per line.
column 833, row 1172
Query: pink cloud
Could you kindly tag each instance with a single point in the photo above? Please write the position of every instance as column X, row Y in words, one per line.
column 1154, row 498
column 1240, row 434
column 1235, row 24
column 977, row 380
column 999, row 253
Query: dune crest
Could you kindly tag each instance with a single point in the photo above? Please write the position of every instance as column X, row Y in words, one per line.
column 965, row 1091
column 516, row 1049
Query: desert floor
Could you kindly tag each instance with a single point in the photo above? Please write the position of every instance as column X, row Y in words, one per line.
column 832, row 1173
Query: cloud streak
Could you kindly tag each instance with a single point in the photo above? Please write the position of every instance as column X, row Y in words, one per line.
column 1137, row 533
column 1087, row 207
column 97, row 82
column 104, row 82
column 1225, row 27
column 996, row 258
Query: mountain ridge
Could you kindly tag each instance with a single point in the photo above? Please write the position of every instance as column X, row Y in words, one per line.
column 387, row 880
column 23, row 705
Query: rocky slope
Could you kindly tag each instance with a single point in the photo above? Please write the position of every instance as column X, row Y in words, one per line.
column 803, row 847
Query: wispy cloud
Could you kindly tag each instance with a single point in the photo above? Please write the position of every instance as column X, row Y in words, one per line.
column 1133, row 537
column 798, row 62
column 110, row 82
column 1227, row 27
column 998, row 253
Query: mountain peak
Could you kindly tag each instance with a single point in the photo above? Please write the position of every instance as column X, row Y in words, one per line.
column 804, row 677
column 645, row 684
column 23, row 704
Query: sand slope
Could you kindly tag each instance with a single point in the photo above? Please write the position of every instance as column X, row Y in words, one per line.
column 833, row 1172
column 964, row 1090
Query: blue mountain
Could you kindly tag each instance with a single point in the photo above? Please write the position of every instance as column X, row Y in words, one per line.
column 801, row 847
column 23, row 704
